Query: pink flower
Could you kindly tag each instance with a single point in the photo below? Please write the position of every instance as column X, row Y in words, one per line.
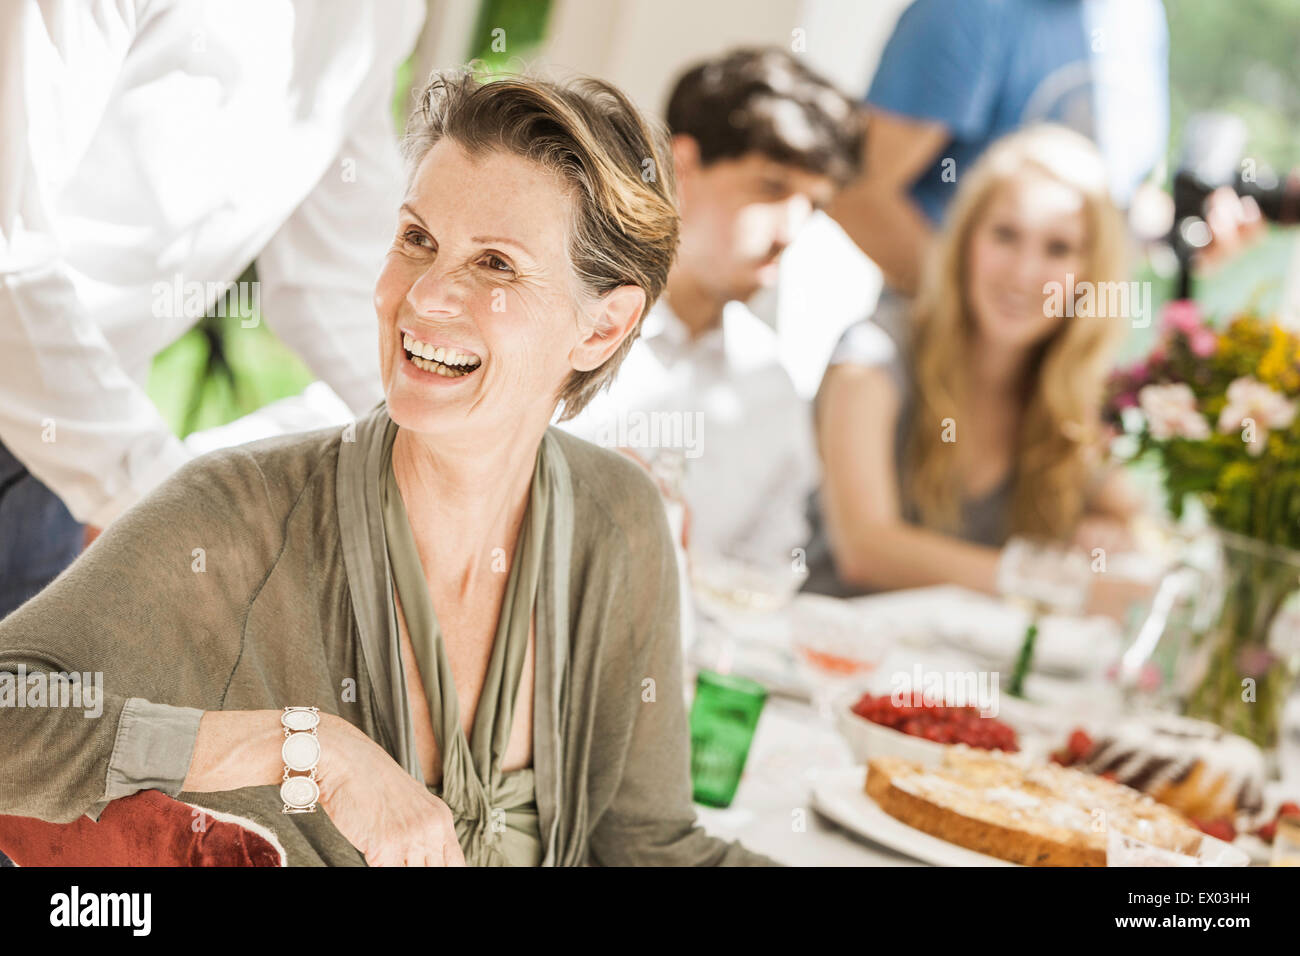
column 1182, row 315
column 1254, row 409
column 1203, row 342
column 1255, row 661
column 1150, row 677
column 1171, row 412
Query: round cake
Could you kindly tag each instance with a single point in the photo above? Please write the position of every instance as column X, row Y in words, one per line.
column 1193, row 766
column 992, row 803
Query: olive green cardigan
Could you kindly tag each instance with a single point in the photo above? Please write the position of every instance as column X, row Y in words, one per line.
column 258, row 577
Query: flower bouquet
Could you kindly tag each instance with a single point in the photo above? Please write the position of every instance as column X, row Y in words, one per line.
column 1217, row 408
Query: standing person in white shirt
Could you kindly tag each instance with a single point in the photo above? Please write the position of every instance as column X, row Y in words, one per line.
column 149, row 151
column 759, row 143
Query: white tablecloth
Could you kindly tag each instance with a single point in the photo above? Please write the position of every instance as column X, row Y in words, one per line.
column 772, row 812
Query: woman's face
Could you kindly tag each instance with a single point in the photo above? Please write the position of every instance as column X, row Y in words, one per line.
column 1033, row 232
column 477, row 300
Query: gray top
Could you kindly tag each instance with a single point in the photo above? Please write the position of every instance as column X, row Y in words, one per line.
column 882, row 341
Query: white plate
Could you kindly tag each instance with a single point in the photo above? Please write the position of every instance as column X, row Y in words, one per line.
column 839, row 795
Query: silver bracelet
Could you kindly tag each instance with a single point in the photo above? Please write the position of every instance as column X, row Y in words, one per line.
column 301, row 753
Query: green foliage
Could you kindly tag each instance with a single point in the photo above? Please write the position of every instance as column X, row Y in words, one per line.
column 219, row 370
column 1238, row 56
column 523, row 28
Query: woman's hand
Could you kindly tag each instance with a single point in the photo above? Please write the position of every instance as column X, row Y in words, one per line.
column 1115, row 597
column 381, row 809
column 1109, row 534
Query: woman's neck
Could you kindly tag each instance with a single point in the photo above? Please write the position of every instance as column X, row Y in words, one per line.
column 997, row 371
column 464, row 503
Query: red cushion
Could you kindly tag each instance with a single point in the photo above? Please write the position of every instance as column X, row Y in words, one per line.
column 148, row 828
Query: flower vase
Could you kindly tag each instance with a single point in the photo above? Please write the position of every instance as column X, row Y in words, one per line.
column 1245, row 667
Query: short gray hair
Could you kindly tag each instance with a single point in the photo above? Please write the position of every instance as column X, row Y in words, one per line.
column 618, row 163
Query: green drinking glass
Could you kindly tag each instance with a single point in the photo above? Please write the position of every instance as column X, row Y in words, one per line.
column 723, row 717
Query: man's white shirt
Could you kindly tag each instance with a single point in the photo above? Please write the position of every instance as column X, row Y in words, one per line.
column 726, row 405
column 150, row 145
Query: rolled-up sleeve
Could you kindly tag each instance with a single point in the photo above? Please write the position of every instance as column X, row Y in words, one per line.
column 152, row 749
column 942, row 63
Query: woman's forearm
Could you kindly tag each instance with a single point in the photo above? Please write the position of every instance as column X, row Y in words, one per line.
column 235, row 749
column 890, row 555
column 241, row 748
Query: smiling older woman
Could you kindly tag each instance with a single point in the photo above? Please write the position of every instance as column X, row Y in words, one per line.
column 483, row 608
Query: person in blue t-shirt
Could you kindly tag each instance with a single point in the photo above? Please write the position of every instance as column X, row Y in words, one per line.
column 958, row 74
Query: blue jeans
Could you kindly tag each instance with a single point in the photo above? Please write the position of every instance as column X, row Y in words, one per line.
column 38, row 539
column 38, row 535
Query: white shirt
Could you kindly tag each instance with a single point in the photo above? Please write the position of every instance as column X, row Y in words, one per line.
column 147, row 145
column 726, row 407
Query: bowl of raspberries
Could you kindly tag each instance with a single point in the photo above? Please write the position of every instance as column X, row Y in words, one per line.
column 880, row 725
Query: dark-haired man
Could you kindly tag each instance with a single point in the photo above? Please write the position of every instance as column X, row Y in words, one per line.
column 759, row 143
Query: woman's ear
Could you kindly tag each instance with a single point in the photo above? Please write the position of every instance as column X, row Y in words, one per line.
column 618, row 312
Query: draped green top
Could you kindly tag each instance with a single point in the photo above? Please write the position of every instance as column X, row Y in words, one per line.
column 295, row 605
column 495, row 812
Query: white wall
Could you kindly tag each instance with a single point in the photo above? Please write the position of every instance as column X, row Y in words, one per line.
column 642, row 45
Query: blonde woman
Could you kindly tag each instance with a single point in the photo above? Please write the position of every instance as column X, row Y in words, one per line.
column 971, row 415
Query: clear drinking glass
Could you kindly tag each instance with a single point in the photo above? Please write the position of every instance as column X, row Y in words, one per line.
column 1286, row 842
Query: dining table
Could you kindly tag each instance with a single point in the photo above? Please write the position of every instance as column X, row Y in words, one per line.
column 796, row 743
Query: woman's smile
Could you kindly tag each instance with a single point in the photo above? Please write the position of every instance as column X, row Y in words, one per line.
column 438, row 360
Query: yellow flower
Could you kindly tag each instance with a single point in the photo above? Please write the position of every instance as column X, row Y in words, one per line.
column 1279, row 366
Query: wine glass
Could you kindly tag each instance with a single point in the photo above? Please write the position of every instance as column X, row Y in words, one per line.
column 837, row 647
column 1044, row 578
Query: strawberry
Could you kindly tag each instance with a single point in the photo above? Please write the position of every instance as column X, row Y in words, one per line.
column 1221, row 828
column 1079, row 744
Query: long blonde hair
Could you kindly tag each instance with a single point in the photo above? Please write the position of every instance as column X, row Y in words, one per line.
column 1060, row 428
